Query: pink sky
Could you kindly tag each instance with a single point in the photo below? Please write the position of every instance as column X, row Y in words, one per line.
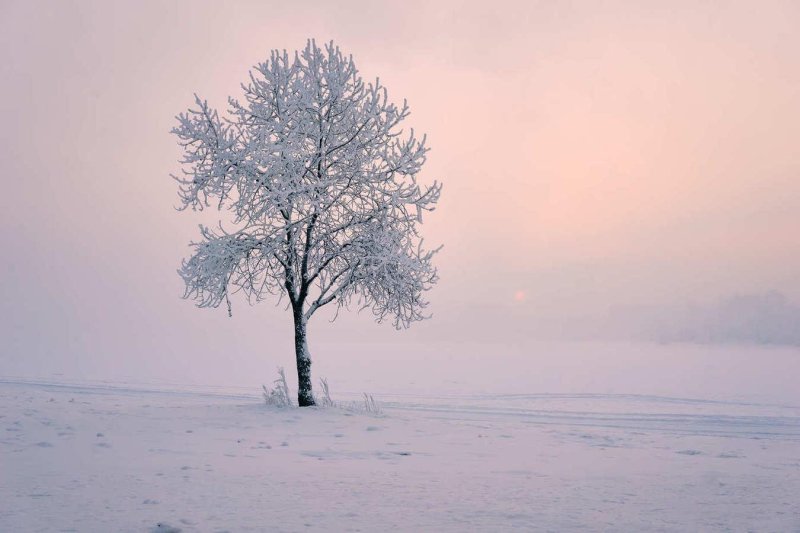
column 594, row 154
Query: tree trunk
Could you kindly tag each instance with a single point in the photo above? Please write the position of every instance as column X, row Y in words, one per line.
column 305, row 397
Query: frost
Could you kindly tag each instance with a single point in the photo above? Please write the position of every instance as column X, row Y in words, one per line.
column 320, row 182
column 279, row 395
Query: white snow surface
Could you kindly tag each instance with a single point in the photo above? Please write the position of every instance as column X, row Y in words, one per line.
column 480, row 455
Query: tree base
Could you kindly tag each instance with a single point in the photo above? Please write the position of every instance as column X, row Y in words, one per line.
column 305, row 402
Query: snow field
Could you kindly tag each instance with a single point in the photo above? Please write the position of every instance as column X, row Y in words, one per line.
column 99, row 457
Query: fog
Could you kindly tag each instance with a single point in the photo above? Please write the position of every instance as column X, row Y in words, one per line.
column 606, row 166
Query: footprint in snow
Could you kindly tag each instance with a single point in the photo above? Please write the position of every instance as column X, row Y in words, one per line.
column 162, row 527
column 689, row 452
column 726, row 455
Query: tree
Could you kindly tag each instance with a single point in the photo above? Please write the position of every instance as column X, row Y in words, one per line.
column 321, row 184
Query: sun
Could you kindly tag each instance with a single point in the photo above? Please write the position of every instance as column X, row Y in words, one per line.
column 519, row 296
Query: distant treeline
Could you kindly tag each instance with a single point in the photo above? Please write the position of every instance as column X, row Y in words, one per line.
column 767, row 318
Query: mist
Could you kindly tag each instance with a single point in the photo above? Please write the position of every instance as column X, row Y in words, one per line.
column 598, row 160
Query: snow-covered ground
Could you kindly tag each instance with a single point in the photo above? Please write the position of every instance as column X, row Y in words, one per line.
column 479, row 455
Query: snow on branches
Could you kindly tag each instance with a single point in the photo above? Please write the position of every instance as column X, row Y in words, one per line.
column 321, row 184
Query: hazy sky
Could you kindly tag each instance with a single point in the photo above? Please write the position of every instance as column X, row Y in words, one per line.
column 594, row 155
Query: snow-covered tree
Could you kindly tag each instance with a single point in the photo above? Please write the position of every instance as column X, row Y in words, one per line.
column 321, row 185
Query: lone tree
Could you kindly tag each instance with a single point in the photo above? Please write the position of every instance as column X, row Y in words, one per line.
column 321, row 185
